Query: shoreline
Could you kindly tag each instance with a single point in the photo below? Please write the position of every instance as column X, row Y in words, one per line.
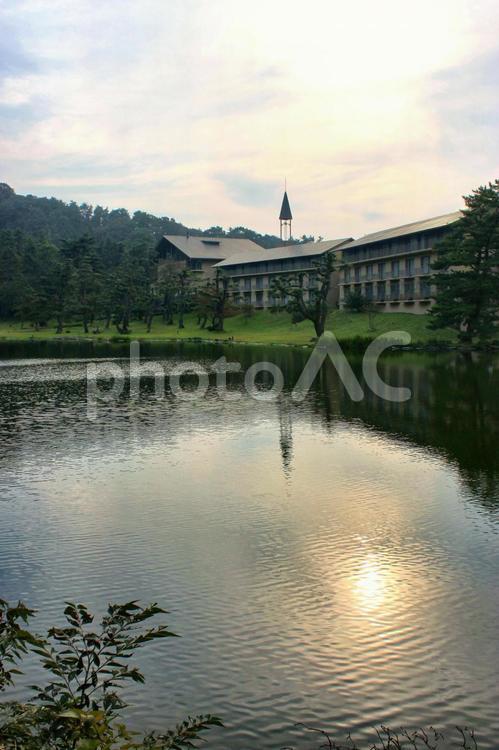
column 354, row 332
column 349, row 344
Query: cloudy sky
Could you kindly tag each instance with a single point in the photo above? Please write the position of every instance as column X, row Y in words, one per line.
column 377, row 113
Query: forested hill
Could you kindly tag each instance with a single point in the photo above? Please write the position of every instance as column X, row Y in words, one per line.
column 69, row 262
column 56, row 221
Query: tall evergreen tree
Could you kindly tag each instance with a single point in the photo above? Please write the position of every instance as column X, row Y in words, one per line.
column 467, row 262
column 213, row 300
column 34, row 300
column 185, row 290
column 11, row 272
column 133, row 292
column 82, row 254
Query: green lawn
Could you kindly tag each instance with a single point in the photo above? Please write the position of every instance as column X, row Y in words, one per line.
column 263, row 327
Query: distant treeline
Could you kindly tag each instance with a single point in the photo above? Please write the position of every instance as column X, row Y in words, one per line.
column 56, row 221
column 64, row 261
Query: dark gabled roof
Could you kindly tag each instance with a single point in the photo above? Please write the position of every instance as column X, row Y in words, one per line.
column 211, row 248
column 301, row 250
column 285, row 214
column 418, row 226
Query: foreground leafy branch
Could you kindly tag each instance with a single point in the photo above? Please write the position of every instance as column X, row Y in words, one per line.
column 80, row 705
column 14, row 639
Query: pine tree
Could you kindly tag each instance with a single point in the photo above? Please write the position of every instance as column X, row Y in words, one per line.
column 291, row 292
column 467, row 262
column 82, row 254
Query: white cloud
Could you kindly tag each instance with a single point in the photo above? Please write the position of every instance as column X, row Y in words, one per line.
column 155, row 100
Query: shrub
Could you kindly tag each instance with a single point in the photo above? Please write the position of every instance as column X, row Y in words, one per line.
column 355, row 302
column 80, row 706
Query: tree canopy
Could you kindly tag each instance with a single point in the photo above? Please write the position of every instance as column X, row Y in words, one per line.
column 307, row 302
column 467, row 262
column 56, row 221
column 68, row 262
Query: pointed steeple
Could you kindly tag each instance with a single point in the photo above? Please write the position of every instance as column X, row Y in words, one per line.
column 285, row 217
column 285, row 214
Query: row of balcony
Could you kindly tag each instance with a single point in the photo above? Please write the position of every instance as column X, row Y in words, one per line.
column 264, row 287
column 305, row 266
column 387, row 275
column 402, row 297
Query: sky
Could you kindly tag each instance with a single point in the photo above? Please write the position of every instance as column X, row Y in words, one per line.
column 376, row 113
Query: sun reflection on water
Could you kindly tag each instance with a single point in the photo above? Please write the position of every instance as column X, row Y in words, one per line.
column 370, row 585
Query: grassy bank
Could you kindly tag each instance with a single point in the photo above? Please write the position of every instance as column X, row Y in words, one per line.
column 262, row 327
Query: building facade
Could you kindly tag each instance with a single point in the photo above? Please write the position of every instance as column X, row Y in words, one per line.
column 252, row 273
column 392, row 268
column 201, row 254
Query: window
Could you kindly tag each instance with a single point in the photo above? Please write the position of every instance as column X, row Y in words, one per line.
column 425, row 288
column 380, row 292
column 357, row 273
column 247, row 284
column 394, row 290
column 369, row 292
column 409, row 288
column 259, row 282
column 409, row 266
column 381, row 270
column 259, row 299
column 425, row 264
column 195, row 265
column 395, row 268
column 369, row 271
column 347, row 275
column 312, row 281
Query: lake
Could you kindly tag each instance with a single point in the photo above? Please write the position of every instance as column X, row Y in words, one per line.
column 327, row 561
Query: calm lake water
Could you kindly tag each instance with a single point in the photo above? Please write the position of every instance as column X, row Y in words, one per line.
column 329, row 562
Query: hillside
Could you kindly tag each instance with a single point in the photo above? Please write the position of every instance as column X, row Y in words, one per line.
column 57, row 221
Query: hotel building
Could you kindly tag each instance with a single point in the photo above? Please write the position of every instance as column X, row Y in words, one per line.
column 392, row 268
column 252, row 272
column 200, row 254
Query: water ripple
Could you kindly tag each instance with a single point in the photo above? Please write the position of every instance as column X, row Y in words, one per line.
column 318, row 566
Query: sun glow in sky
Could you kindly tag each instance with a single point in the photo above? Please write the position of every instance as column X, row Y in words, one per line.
column 377, row 113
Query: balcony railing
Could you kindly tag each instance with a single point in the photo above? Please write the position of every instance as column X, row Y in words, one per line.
column 387, row 275
column 404, row 297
